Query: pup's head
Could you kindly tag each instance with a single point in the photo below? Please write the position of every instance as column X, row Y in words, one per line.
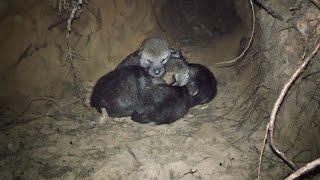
column 155, row 53
column 177, row 72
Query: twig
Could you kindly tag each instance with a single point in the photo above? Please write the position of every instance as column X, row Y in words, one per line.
column 32, row 48
column 190, row 172
column 232, row 62
column 270, row 127
column 262, row 151
column 133, row 155
column 24, row 54
column 269, row 10
column 48, row 114
column 301, row 152
column 34, row 100
column 116, row 6
column 242, row 122
column 318, row 101
column 76, row 80
column 97, row 16
column 304, row 170
column 73, row 69
column 278, row 104
column 55, row 24
column 316, row 3
column 294, row 140
column 251, row 131
column 311, row 74
column 73, row 12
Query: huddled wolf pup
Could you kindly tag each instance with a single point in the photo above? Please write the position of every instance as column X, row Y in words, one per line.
column 119, row 90
column 131, row 91
column 152, row 55
column 195, row 84
column 202, row 85
column 200, row 81
column 177, row 72
column 162, row 104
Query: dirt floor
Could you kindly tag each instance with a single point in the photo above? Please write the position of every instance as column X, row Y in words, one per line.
column 47, row 132
column 69, row 143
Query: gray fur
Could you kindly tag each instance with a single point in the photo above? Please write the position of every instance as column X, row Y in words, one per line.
column 177, row 72
column 202, row 85
column 152, row 55
column 131, row 91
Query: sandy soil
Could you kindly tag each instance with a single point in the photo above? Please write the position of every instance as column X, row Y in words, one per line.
column 70, row 144
column 59, row 138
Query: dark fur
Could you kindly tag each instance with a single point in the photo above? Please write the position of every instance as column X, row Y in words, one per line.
column 203, row 81
column 132, row 59
column 119, row 90
column 131, row 91
column 152, row 55
column 162, row 104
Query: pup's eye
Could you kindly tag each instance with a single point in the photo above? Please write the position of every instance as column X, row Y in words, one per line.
column 164, row 61
column 148, row 61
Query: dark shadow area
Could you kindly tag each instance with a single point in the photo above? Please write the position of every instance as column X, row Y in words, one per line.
column 190, row 21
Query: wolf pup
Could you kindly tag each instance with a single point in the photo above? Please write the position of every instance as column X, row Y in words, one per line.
column 177, row 72
column 202, row 85
column 162, row 104
column 152, row 55
column 119, row 91
column 131, row 91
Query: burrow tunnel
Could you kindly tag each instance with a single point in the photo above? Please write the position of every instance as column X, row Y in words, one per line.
column 48, row 131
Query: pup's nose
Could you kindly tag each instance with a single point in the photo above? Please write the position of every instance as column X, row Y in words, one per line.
column 157, row 71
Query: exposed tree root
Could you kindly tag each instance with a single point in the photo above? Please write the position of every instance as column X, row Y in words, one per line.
column 276, row 107
column 76, row 79
column 304, row 170
column 269, row 9
column 316, row 3
column 232, row 62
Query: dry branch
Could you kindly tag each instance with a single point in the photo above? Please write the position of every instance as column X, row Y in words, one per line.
column 304, row 170
column 316, row 3
column 262, row 151
column 232, row 62
column 311, row 74
column 29, row 51
column 24, row 54
column 49, row 113
column 55, row 24
column 71, row 17
column 117, row 8
column 270, row 127
column 269, row 9
column 76, row 79
column 278, row 104
column 35, row 100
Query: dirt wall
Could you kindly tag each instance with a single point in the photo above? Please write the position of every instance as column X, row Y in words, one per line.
column 34, row 58
column 219, row 139
column 285, row 43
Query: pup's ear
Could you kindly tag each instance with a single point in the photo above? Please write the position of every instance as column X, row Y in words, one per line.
column 175, row 53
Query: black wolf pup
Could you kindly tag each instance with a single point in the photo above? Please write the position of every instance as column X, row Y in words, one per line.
column 131, row 91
